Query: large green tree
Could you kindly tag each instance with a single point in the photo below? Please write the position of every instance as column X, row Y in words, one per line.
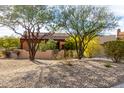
column 30, row 20
column 83, row 23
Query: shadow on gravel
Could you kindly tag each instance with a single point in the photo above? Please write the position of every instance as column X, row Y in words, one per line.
column 84, row 75
column 39, row 62
column 64, row 76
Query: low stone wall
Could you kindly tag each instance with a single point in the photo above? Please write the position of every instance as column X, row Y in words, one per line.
column 45, row 55
column 49, row 54
column 40, row 55
column 23, row 54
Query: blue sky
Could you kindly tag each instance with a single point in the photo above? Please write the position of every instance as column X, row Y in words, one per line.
column 117, row 10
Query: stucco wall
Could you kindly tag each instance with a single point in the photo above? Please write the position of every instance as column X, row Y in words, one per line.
column 61, row 44
column 25, row 45
column 43, row 55
column 49, row 54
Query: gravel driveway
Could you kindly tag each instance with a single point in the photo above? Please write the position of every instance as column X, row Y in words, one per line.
column 57, row 74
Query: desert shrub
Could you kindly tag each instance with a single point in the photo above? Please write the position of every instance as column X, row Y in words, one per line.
column 56, row 54
column 49, row 45
column 9, row 42
column 1, row 54
column 66, row 53
column 42, row 46
column 69, row 46
column 108, row 65
column 7, row 54
column 69, row 63
column 114, row 50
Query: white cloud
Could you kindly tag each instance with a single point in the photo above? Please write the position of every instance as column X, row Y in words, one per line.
column 118, row 11
column 5, row 31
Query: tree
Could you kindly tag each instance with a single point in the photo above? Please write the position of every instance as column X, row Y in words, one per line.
column 93, row 48
column 31, row 20
column 114, row 50
column 83, row 23
column 9, row 42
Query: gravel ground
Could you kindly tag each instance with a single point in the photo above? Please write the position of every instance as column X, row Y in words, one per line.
column 86, row 73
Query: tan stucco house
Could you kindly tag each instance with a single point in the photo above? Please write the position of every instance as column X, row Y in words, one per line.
column 60, row 38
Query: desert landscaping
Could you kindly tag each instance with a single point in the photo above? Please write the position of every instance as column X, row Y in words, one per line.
column 61, row 47
column 90, row 73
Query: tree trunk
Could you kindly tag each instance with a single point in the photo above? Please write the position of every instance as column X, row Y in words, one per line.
column 80, row 55
column 117, row 59
column 31, row 55
column 32, row 58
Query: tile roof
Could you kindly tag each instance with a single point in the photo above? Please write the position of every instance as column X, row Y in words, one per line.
column 56, row 36
column 62, row 36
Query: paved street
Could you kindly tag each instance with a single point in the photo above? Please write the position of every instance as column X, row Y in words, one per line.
column 119, row 86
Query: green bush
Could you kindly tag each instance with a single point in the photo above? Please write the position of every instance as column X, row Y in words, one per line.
column 42, row 46
column 49, row 45
column 9, row 42
column 114, row 50
column 1, row 54
column 69, row 45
